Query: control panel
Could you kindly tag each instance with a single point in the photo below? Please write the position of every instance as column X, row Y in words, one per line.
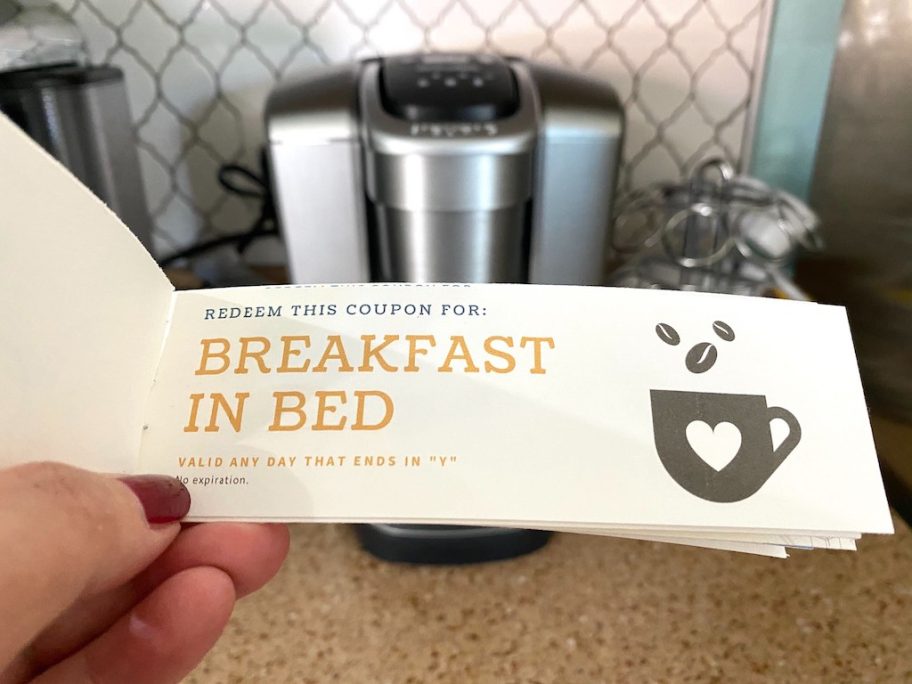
column 448, row 88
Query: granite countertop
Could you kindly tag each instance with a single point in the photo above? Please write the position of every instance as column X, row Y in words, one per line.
column 583, row 609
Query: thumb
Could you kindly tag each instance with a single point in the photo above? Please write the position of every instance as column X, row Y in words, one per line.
column 68, row 533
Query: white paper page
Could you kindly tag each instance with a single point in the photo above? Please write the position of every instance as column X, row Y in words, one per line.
column 786, row 540
column 757, row 548
column 776, row 541
column 573, row 445
column 797, row 536
column 768, row 550
column 84, row 309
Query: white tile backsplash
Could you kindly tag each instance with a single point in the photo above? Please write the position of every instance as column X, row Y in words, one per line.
column 198, row 72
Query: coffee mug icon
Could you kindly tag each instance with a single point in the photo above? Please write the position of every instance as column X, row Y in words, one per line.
column 676, row 414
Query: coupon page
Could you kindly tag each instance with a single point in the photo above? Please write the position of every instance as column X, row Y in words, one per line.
column 514, row 404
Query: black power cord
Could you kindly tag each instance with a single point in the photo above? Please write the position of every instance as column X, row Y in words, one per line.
column 241, row 181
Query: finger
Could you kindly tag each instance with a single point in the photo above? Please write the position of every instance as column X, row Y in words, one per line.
column 82, row 622
column 250, row 554
column 68, row 533
column 161, row 639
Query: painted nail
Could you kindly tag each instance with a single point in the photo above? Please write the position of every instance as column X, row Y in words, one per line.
column 164, row 499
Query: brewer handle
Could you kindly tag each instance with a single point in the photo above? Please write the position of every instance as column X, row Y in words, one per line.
column 791, row 440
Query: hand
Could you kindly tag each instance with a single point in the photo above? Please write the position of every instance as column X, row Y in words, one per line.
column 99, row 583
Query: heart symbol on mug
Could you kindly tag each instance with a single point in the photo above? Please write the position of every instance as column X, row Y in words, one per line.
column 716, row 446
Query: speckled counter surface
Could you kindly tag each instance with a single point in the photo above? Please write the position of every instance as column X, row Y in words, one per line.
column 583, row 609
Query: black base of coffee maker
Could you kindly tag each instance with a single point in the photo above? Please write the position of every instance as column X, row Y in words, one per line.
column 448, row 544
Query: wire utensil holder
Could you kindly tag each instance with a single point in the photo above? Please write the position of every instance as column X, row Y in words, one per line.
column 717, row 232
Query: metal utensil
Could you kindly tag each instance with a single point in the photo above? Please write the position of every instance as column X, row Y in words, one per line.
column 717, row 232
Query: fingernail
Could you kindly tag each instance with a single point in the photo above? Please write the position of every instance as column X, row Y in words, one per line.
column 164, row 499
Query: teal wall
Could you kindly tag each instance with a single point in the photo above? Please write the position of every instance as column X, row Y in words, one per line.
column 799, row 58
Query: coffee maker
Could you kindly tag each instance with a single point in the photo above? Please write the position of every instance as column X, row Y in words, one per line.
column 445, row 168
column 81, row 116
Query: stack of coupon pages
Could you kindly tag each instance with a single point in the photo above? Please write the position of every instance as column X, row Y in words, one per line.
column 709, row 420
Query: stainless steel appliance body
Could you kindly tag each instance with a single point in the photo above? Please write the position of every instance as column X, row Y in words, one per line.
column 862, row 189
column 80, row 115
column 445, row 168
column 430, row 168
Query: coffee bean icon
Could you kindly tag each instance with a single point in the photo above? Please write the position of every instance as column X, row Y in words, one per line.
column 724, row 331
column 701, row 357
column 667, row 334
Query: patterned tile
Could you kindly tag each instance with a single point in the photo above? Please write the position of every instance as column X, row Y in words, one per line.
column 100, row 36
column 147, row 33
column 399, row 31
column 699, row 39
column 335, row 34
column 188, row 83
column 212, row 36
column 458, row 29
column 198, row 72
column 164, row 131
column 116, row 12
column 578, row 34
column 517, row 32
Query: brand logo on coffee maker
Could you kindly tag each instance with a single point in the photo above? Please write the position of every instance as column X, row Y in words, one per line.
column 718, row 447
